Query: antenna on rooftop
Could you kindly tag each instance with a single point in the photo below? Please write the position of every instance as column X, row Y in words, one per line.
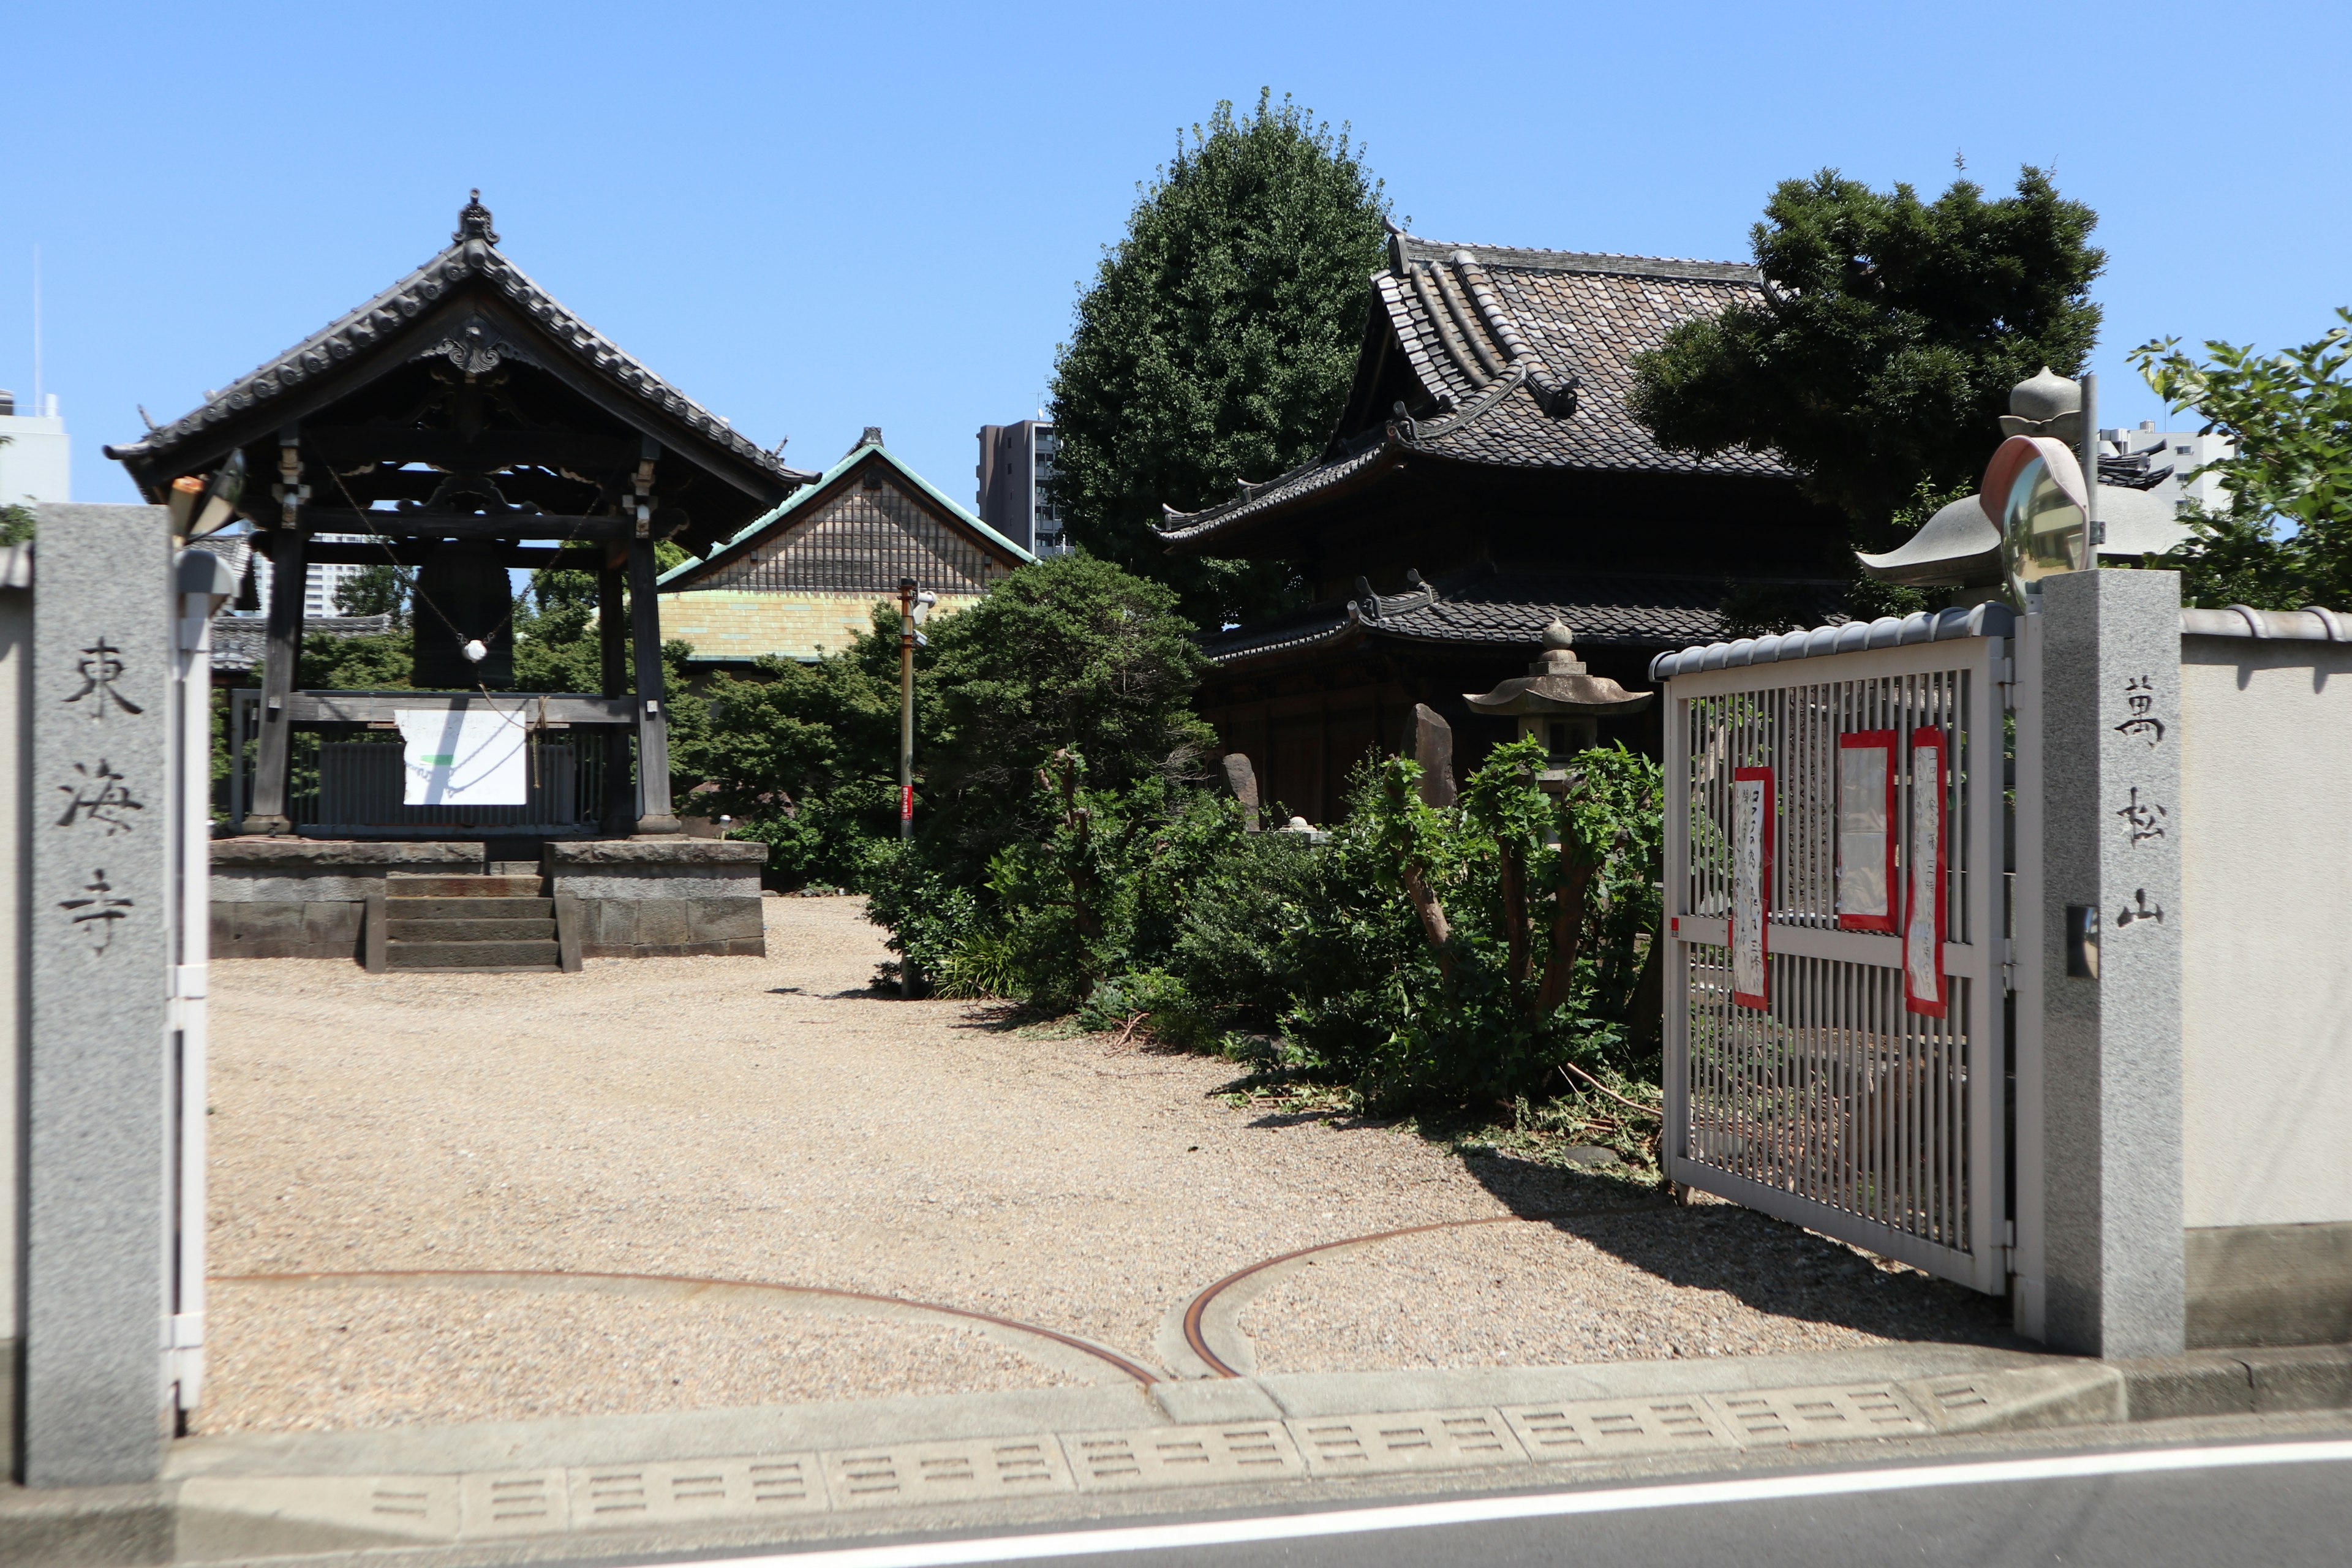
column 37, row 329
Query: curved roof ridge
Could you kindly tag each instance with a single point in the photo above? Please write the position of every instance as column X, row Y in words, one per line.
column 1414, row 247
column 419, row 291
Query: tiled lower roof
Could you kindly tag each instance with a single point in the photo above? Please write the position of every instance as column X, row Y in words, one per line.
column 238, row 641
column 1503, row 606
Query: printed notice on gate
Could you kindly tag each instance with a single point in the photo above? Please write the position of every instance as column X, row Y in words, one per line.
column 1751, row 876
column 1923, row 925
column 1865, row 830
column 458, row 758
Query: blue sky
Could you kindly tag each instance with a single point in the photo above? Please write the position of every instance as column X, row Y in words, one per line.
column 816, row 218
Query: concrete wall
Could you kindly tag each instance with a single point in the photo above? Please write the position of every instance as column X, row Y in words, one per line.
column 2266, row 840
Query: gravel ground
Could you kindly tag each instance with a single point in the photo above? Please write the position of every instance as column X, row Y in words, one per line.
column 377, row 1356
column 772, row 1119
column 1713, row 1280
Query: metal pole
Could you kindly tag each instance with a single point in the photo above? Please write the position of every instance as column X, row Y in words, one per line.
column 906, row 748
column 906, row 706
column 2094, row 533
column 193, row 816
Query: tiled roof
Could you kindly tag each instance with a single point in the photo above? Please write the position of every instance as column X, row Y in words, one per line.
column 238, row 641
column 471, row 258
column 782, row 516
column 1504, row 606
column 1523, row 358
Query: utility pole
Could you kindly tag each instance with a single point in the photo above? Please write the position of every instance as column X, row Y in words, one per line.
column 905, row 709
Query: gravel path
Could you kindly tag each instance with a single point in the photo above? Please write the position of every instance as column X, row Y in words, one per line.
column 772, row 1119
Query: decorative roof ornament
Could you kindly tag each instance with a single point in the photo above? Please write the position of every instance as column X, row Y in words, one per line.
column 2045, row 405
column 474, row 222
column 2029, row 517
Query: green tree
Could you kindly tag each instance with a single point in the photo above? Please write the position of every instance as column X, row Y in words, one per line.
column 2285, row 539
column 1217, row 340
column 375, row 591
column 1890, row 335
column 1071, row 653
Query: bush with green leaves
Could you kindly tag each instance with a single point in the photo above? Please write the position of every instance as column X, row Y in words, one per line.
column 1419, row 955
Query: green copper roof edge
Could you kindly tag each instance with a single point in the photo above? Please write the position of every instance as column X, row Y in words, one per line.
column 799, row 498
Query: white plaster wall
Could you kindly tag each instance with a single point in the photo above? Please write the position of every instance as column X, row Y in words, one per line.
column 38, row 462
column 16, row 825
column 2265, row 826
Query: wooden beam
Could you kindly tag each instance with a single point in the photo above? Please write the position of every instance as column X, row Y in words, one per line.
column 466, row 525
column 414, row 552
column 282, row 663
column 379, row 707
column 490, row 450
column 654, row 813
column 613, row 651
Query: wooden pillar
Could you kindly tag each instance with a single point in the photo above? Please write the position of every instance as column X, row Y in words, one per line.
column 654, row 815
column 620, row 817
column 282, row 661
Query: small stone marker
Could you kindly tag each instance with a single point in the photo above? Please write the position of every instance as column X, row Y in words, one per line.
column 1240, row 780
column 1432, row 745
column 98, row 1222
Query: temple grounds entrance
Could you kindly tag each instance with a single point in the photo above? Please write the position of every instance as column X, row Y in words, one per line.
column 459, row 1197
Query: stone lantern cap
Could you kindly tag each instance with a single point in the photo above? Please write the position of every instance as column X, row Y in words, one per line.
column 1556, row 684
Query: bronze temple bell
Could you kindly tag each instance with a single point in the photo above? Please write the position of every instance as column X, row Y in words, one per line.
column 1557, row 702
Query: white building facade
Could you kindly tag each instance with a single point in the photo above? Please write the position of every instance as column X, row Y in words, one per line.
column 37, row 464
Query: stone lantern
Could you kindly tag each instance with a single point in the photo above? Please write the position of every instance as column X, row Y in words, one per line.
column 1557, row 703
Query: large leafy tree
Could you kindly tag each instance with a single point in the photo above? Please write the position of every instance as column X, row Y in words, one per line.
column 1073, row 653
column 1884, row 348
column 2285, row 539
column 1217, row 340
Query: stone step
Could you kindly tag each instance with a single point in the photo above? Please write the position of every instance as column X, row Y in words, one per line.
column 471, row 954
column 406, row 909
column 425, row 885
column 443, row 931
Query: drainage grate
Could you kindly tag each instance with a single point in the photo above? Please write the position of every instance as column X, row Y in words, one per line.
column 698, row 1489
column 514, row 1503
column 944, row 1472
column 1182, row 1456
column 1818, row 1415
column 1598, row 1429
column 1437, row 1439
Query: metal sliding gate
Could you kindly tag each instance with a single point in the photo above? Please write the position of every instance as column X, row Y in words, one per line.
column 1837, row 922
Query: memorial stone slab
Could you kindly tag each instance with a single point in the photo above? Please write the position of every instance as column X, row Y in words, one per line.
column 97, row 1234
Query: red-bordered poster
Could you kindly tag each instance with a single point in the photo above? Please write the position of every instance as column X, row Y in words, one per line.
column 1923, row 920
column 1866, row 831
column 1752, row 884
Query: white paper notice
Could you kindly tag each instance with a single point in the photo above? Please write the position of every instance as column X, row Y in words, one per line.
column 1922, row 954
column 1862, row 827
column 1749, row 797
column 457, row 758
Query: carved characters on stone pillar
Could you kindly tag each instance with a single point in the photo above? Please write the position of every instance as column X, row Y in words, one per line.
column 100, row 666
column 97, row 911
column 2139, row 910
column 2139, row 697
column 99, row 794
column 2143, row 820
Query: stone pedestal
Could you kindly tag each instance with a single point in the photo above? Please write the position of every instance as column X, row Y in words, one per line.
column 662, row 898
column 658, row 898
column 303, row 898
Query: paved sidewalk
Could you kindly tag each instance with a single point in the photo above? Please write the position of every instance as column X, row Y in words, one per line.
column 606, row 1486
